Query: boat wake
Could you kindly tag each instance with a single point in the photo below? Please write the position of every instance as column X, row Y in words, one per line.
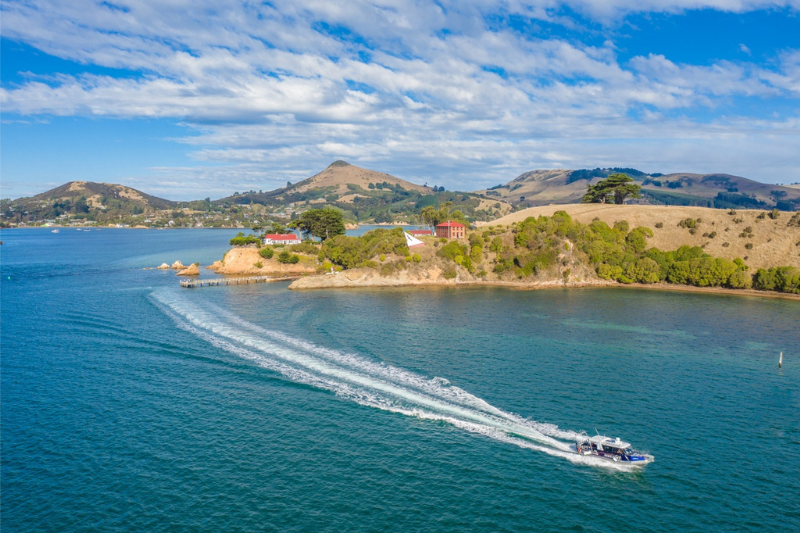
column 366, row 382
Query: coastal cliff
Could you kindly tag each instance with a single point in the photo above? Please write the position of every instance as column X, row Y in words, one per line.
column 367, row 277
column 239, row 261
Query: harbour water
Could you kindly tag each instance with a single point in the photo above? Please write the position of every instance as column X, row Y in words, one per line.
column 131, row 404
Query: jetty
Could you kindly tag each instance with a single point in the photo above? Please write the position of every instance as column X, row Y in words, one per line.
column 217, row 282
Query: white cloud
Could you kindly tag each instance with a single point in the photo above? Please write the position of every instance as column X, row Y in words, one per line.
column 420, row 88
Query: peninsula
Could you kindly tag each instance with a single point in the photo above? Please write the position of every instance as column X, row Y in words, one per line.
column 575, row 245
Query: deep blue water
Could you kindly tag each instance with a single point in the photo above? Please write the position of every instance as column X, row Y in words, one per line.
column 131, row 404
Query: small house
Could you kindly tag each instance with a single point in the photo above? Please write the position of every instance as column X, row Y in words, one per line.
column 281, row 238
column 451, row 230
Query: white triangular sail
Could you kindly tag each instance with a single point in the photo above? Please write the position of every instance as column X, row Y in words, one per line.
column 413, row 241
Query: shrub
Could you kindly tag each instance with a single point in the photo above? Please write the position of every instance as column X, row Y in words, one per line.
column 417, row 258
column 687, row 223
column 258, row 264
column 749, row 246
column 712, row 234
column 693, row 231
column 266, row 252
column 449, row 273
column 740, row 280
column 725, row 244
column 307, row 247
column 781, row 279
column 383, row 258
column 475, row 254
column 762, row 216
column 645, row 270
column 774, row 214
column 352, row 251
column 659, row 225
column 287, row 258
column 241, row 240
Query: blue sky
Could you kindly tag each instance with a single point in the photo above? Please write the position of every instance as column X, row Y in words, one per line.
column 187, row 99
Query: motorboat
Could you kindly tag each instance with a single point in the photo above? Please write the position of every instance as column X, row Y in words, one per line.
column 55, row 231
column 610, row 449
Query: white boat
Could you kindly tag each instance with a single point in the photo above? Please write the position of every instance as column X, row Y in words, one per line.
column 610, row 449
column 55, row 231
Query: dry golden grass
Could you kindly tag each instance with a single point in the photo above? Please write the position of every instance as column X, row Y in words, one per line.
column 774, row 243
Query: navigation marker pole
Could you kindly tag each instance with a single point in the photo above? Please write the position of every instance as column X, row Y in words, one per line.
column 780, row 360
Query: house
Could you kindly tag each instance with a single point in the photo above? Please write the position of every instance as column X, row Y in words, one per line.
column 420, row 232
column 281, row 238
column 451, row 230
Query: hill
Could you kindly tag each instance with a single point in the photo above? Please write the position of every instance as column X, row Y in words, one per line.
column 340, row 174
column 367, row 195
column 544, row 187
column 774, row 242
column 87, row 197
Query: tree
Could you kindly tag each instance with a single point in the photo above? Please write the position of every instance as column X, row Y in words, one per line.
column 277, row 228
column 616, row 186
column 322, row 223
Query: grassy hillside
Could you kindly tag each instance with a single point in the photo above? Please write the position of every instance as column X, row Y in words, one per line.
column 771, row 242
column 86, row 200
column 544, row 187
column 365, row 196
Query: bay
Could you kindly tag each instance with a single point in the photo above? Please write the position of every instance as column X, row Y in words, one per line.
column 128, row 403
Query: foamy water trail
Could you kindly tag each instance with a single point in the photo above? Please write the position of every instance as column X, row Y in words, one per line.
column 366, row 382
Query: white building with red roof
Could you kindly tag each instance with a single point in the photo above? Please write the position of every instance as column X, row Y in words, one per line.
column 281, row 238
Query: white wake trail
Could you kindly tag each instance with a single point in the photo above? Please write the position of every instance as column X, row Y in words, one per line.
column 366, row 382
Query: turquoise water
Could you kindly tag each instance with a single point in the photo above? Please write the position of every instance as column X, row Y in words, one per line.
column 130, row 404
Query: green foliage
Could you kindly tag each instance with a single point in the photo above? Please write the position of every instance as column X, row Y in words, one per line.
column 308, row 248
column 781, row 279
column 287, row 258
column 774, row 214
column 449, row 273
column 417, row 258
column 636, row 240
column 242, row 240
column 475, row 254
column 616, row 187
column 321, row 223
column 351, row 252
column 266, row 252
column 645, row 270
column 258, row 264
column 687, row 223
column 451, row 250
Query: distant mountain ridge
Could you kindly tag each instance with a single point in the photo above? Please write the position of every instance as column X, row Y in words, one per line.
column 98, row 195
column 366, row 195
column 543, row 187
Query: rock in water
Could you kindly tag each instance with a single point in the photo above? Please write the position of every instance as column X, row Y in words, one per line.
column 191, row 270
column 177, row 265
column 163, row 266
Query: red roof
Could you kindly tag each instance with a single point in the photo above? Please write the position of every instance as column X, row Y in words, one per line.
column 282, row 237
column 450, row 224
column 420, row 232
